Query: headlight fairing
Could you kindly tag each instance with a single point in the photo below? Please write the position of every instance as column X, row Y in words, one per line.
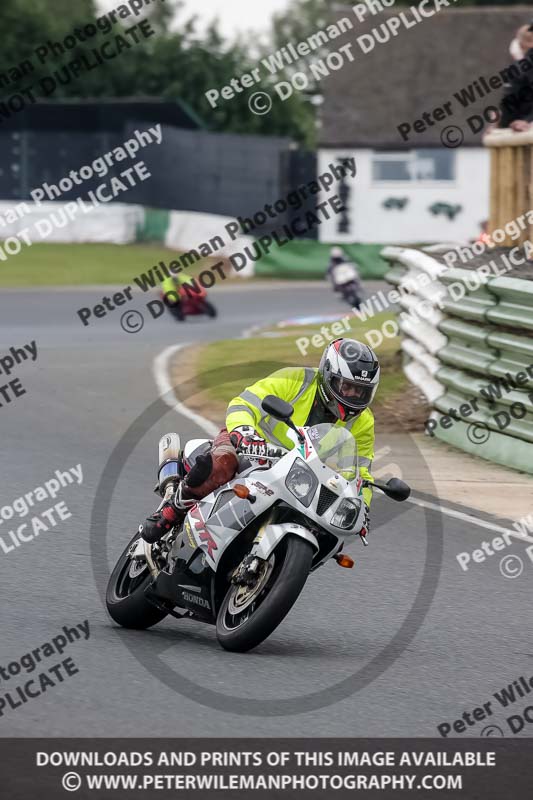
column 302, row 482
column 346, row 515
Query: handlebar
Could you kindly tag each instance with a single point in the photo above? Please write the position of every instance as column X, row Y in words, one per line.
column 276, row 452
column 271, row 454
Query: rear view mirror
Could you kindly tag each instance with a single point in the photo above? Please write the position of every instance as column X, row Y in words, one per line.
column 277, row 408
column 397, row 490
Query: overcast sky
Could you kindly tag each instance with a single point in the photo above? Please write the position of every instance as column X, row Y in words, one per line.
column 236, row 16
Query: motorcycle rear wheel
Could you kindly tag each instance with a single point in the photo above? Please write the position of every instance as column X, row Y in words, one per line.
column 288, row 569
column 125, row 599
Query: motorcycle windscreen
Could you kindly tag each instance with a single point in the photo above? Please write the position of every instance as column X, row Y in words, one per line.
column 336, row 448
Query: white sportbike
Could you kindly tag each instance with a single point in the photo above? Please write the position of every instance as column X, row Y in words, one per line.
column 243, row 554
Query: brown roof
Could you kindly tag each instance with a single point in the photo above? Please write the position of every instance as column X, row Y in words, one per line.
column 415, row 72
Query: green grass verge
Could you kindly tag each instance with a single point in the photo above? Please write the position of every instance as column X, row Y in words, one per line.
column 225, row 367
column 83, row 264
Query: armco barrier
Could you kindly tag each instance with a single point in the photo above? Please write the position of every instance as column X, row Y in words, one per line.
column 463, row 333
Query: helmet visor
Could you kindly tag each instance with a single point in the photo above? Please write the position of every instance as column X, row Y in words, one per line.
column 352, row 394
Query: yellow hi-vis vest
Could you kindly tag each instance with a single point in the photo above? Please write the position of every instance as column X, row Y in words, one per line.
column 298, row 386
column 171, row 284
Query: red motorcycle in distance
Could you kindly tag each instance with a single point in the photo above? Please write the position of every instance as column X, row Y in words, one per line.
column 188, row 301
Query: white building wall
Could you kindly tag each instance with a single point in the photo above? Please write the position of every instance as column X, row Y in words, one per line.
column 371, row 222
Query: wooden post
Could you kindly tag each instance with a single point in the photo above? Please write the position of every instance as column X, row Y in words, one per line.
column 511, row 181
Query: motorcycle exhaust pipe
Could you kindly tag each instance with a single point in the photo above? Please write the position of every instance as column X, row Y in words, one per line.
column 170, row 469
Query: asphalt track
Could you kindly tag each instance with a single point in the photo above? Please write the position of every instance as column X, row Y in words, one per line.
column 84, row 391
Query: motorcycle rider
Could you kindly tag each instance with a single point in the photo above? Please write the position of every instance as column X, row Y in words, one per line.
column 336, row 257
column 339, row 391
column 172, row 285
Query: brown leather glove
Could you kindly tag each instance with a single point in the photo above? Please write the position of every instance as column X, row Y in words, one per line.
column 224, row 464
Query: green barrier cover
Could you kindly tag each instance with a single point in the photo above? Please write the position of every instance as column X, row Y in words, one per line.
column 471, row 358
column 516, row 354
column 467, row 296
column 507, row 391
column 507, row 365
column 515, row 303
column 309, row 259
column 396, row 275
column 467, row 308
column 511, row 314
column 485, row 367
column 498, row 448
column 155, row 226
column 472, row 281
column 520, row 346
column 497, row 417
column 512, row 290
column 454, row 328
column 461, row 382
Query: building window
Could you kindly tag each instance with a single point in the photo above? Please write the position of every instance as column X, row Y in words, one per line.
column 419, row 166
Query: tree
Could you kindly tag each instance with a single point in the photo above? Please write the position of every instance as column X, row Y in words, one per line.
column 300, row 20
column 27, row 26
column 161, row 15
column 179, row 64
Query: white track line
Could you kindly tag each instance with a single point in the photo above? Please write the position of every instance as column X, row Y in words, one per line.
column 166, row 392
column 451, row 512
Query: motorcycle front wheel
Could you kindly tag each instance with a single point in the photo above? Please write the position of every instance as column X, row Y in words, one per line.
column 177, row 312
column 210, row 309
column 248, row 615
column 125, row 598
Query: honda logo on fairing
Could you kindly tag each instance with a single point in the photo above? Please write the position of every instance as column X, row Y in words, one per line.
column 195, row 599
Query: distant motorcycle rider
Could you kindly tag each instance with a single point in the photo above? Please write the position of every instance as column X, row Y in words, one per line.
column 338, row 259
column 339, row 391
column 173, row 284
